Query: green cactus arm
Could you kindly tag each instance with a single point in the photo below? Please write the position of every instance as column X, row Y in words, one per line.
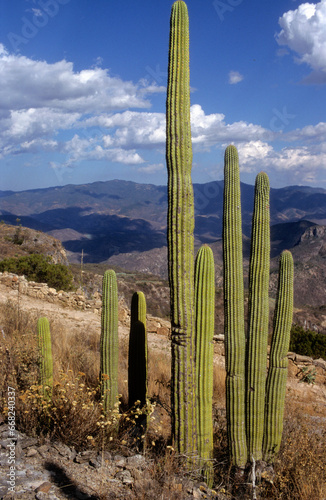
column 109, row 343
column 234, row 329
column 278, row 361
column 45, row 356
column 258, row 318
column 180, row 233
column 205, row 317
column 137, row 364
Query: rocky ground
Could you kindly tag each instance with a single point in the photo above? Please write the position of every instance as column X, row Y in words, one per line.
column 53, row 471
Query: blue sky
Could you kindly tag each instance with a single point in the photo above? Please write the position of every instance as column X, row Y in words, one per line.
column 82, row 90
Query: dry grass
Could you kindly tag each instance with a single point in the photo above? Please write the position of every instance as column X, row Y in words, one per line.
column 75, row 413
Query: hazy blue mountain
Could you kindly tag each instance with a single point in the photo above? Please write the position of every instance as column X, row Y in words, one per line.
column 114, row 217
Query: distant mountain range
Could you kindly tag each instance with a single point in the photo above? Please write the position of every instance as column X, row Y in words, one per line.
column 105, row 219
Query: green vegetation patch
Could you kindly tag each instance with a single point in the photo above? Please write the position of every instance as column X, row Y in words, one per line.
column 40, row 268
column 307, row 342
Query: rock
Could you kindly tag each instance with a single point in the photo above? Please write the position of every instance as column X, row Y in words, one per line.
column 125, row 476
column 44, row 487
column 137, row 461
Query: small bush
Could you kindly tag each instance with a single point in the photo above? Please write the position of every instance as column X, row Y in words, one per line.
column 307, row 343
column 40, row 268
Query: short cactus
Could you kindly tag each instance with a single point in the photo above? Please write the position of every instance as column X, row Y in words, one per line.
column 109, row 344
column 205, row 316
column 137, row 365
column 45, row 357
column 278, row 361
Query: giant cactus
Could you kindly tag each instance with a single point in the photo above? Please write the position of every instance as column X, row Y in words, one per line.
column 45, row 357
column 180, row 234
column 205, row 316
column 109, row 346
column 234, row 327
column 258, row 317
column 278, row 361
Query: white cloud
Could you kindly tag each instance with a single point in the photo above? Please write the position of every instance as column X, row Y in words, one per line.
column 310, row 133
column 303, row 31
column 152, row 168
column 26, row 83
column 302, row 164
column 235, row 77
column 38, row 100
column 251, row 153
column 210, row 130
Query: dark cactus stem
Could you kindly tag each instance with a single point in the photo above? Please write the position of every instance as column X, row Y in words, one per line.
column 234, row 324
column 109, row 346
column 137, row 366
column 205, row 317
column 258, row 318
column 180, row 234
column 278, row 361
column 45, row 357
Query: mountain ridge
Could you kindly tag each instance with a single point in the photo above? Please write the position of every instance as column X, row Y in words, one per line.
column 107, row 218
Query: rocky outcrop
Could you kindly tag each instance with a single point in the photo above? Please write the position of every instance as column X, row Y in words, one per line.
column 16, row 241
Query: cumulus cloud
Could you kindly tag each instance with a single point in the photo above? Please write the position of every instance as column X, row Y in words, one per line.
column 235, row 77
column 303, row 31
column 26, row 83
column 210, row 130
column 91, row 116
column 152, row 168
column 38, row 100
column 300, row 164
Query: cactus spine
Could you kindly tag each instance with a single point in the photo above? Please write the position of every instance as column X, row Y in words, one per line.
column 109, row 346
column 45, row 356
column 258, row 317
column 278, row 361
column 205, row 316
column 137, row 366
column 234, row 328
column 180, row 234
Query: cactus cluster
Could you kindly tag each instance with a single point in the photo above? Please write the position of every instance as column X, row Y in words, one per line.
column 252, row 413
column 254, row 406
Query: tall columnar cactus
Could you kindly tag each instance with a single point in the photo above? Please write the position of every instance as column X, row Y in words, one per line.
column 180, row 234
column 45, row 356
column 205, row 316
column 258, row 317
column 234, row 327
column 109, row 346
column 278, row 361
column 137, row 366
